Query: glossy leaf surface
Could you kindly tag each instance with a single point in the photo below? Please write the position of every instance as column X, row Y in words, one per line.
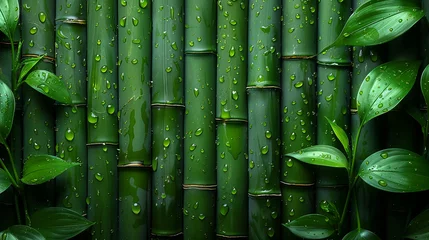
column 21, row 232
column 311, row 226
column 321, row 155
column 27, row 65
column 361, row 234
column 57, row 223
column 4, row 181
column 50, row 85
column 7, row 111
column 419, row 226
column 341, row 135
column 384, row 88
column 396, row 170
column 379, row 21
column 9, row 14
column 42, row 168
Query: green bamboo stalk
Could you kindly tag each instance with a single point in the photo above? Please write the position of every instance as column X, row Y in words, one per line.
column 299, row 46
column 199, row 145
column 71, row 187
column 167, row 118
column 134, row 34
column 199, row 218
column 102, row 119
column 167, row 161
column 232, row 59
column 232, row 200
column 264, row 162
column 369, row 200
column 333, row 100
column 38, row 36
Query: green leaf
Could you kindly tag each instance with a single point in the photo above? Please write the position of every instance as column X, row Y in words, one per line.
column 329, row 209
column 321, row 155
column 418, row 115
column 311, row 226
column 4, row 181
column 361, row 234
column 379, row 21
column 424, row 84
column 42, row 168
column 21, row 232
column 341, row 135
column 7, row 111
column 396, row 170
column 384, row 87
column 50, row 85
column 9, row 14
column 27, row 65
column 419, row 226
column 57, row 223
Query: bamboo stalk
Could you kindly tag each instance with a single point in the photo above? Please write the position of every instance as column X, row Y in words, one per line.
column 134, row 34
column 102, row 122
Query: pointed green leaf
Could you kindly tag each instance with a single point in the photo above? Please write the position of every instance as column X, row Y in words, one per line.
column 27, row 65
column 42, row 168
column 379, row 21
column 329, row 209
column 361, row 234
column 50, row 85
column 396, row 170
column 9, row 14
column 21, row 232
column 424, row 84
column 341, row 135
column 419, row 226
column 7, row 111
column 321, row 155
column 57, row 223
column 384, row 87
column 4, row 181
column 311, row 226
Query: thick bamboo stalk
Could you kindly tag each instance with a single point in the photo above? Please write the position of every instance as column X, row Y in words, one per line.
column 333, row 100
column 102, row 122
column 232, row 197
column 134, row 34
column 299, row 46
column 70, row 144
column 167, row 164
column 38, row 36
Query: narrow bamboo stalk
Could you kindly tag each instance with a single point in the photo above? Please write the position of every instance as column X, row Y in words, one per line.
column 71, row 187
column 134, row 34
column 298, row 108
column 102, row 122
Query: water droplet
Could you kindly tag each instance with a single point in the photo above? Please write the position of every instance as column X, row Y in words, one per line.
column 33, row 30
column 166, row 142
column 144, row 3
column 69, row 134
column 232, row 52
column 198, row 132
column 264, row 150
column 233, row 22
column 192, row 147
column 198, row 19
column 234, row 95
column 174, row 46
column 268, row 134
column 110, row 109
column 251, row 164
column 135, row 21
column 103, row 69
column 196, row 92
column 42, row 17
column 382, row 183
column 225, row 168
column 224, row 209
column 270, row 232
column 201, row 216
column 331, row 77
column 163, row 195
column 298, row 84
column 384, row 155
column 92, row 118
column 289, row 163
column 168, row 69
column 99, row 177
column 98, row 7
column 136, row 208
column 234, row 191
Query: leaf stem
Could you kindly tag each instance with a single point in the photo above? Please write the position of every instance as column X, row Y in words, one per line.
column 17, row 209
column 352, row 178
column 12, row 180
column 12, row 162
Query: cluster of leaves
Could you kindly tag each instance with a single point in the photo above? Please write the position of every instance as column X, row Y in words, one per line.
column 394, row 169
column 47, row 223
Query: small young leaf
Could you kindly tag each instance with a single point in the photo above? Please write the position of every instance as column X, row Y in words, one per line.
column 419, row 226
column 384, row 87
column 57, row 223
column 27, row 65
column 7, row 111
column 21, row 232
column 379, row 21
column 9, row 14
column 396, row 170
column 321, row 155
column 341, row 135
column 49, row 84
column 4, row 181
column 329, row 209
column 42, row 168
column 361, row 234
column 311, row 226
